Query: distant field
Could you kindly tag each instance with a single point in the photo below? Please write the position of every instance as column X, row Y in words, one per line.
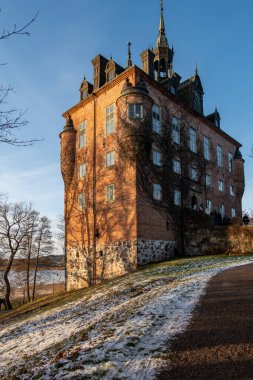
column 119, row 329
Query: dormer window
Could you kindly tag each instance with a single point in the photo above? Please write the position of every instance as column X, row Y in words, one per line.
column 84, row 93
column 110, row 75
column 110, row 70
column 197, row 101
column 173, row 90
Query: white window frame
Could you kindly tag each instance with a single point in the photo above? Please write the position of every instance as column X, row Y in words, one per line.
column 157, row 157
column 82, row 170
column 232, row 190
column 157, row 191
column 175, row 130
column 156, row 118
column 219, row 155
column 109, row 116
column 177, row 197
column 208, row 181
column 206, row 143
column 233, row 212
column 177, row 166
column 81, row 200
column 135, row 111
column 110, row 193
column 82, row 134
column 193, row 173
column 222, row 210
column 220, row 185
column 209, row 206
column 193, row 140
column 110, row 159
column 230, row 162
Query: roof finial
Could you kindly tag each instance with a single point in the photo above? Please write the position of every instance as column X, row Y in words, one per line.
column 196, row 70
column 161, row 26
column 129, row 60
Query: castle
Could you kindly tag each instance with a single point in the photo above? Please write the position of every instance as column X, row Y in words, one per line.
column 111, row 227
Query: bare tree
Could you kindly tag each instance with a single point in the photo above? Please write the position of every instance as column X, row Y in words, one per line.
column 43, row 245
column 15, row 227
column 33, row 221
column 11, row 119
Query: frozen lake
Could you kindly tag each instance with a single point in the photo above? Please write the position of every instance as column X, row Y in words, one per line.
column 43, row 277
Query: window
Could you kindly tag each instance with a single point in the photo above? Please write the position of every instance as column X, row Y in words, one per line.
column 82, row 134
column 110, row 159
column 233, row 212
column 156, row 119
column 157, row 192
column 177, row 197
column 110, row 119
column 110, row 193
column 177, row 166
column 193, row 173
column 175, row 130
column 81, row 170
column 232, row 190
column 110, row 75
column 84, row 93
column 219, row 155
column 230, row 162
column 193, row 140
column 208, row 181
column 206, row 142
column 81, row 200
column 208, row 206
column 135, row 111
column 222, row 210
column 220, row 185
column 157, row 157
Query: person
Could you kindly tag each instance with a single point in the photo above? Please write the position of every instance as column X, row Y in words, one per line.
column 201, row 207
column 245, row 220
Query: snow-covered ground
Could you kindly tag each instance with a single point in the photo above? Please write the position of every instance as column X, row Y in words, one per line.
column 120, row 330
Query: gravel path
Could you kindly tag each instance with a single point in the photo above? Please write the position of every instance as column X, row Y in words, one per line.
column 218, row 343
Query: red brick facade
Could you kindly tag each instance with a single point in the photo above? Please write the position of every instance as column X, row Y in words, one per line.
column 110, row 228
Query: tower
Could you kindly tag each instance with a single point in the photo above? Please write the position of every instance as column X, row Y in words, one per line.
column 158, row 62
column 163, row 54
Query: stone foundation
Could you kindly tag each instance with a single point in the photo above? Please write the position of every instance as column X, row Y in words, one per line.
column 112, row 261
column 220, row 240
column 151, row 251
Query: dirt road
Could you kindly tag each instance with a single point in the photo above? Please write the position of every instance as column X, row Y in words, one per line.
column 218, row 343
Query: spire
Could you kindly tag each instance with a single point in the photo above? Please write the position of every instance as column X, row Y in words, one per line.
column 196, row 70
column 161, row 40
column 161, row 25
column 129, row 60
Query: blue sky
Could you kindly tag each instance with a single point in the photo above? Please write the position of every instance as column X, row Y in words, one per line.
column 47, row 68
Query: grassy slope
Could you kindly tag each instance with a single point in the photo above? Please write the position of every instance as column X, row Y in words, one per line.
column 59, row 299
column 126, row 311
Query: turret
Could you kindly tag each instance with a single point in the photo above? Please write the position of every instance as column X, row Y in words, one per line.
column 238, row 168
column 68, row 150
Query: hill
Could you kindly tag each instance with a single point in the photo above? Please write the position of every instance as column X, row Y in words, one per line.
column 45, row 262
column 116, row 330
